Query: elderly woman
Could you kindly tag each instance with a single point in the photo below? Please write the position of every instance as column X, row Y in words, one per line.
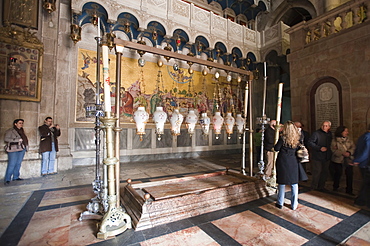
column 343, row 149
column 16, row 136
column 288, row 169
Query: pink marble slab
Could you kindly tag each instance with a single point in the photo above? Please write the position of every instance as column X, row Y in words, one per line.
column 305, row 217
column 248, row 228
column 193, row 236
column 335, row 203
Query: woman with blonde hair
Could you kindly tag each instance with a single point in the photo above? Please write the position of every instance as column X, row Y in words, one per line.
column 288, row 169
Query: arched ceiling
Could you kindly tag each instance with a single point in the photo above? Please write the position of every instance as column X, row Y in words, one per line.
column 246, row 7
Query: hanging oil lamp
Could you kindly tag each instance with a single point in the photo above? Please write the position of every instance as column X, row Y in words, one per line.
column 159, row 117
column 217, row 122
column 141, row 118
column 176, row 120
column 240, row 124
column 229, row 124
column 190, row 121
column 204, row 122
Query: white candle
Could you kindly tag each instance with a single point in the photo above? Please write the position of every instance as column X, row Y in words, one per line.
column 264, row 69
column 279, row 102
column 246, row 99
column 107, row 102
column 98, row 27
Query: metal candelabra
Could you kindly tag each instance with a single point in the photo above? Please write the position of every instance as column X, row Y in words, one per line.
column 98, row 205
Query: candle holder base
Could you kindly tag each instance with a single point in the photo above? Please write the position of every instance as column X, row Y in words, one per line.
column 115, row 222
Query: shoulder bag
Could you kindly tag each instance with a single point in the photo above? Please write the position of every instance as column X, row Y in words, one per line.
column 14, row 147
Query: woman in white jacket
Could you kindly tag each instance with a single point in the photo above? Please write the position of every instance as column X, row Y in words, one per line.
column 343, row 149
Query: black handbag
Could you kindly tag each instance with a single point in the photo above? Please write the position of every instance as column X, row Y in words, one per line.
column 301, row 173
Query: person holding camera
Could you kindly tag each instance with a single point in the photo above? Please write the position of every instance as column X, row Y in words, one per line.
column 49, row 134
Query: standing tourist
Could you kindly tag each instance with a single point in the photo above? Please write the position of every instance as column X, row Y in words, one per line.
column 15, row 136
column 320, row 151
column 48, row 145
column 257, row 143
column 362, row 159
column 343, row 148
column 268, row 145
column 288, row 169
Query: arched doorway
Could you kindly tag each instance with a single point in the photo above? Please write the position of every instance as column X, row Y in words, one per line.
column 326, row 103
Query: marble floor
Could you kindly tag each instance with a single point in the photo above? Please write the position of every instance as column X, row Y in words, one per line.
column 46, row 210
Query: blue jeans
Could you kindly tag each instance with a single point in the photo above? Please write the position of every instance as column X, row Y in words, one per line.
column 48, row 160
column 293, row 198
column 14, row 164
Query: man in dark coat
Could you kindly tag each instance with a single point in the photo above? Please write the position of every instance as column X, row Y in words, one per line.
column 319, row 143
column 362, row 159
column 48, row 145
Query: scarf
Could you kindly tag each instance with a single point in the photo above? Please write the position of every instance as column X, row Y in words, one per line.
column 22, row 134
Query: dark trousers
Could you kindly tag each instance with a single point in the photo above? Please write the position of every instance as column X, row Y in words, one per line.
column 319, row 170
column 336, row 170
column 363, row 198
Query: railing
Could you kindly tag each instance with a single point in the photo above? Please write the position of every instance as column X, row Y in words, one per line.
column 341, row 18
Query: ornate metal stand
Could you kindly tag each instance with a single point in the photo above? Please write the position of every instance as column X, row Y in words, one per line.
column 98, row 204
column 251, row 147
column 246, row 98
column 263, row 121
column 115, row 221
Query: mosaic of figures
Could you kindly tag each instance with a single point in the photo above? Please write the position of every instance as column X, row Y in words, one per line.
column 152, row 86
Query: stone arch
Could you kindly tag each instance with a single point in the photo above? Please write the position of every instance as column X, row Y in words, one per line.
column 342, row 82
column 285, row 6
column 326, row 102
column 163, row 25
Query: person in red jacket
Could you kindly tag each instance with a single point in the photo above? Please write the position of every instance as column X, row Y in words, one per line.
column 48, row 145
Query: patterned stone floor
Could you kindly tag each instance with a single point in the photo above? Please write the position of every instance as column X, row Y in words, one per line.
column 45, row 211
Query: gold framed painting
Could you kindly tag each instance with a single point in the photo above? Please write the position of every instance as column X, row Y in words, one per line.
column 21, row 12
column 21, row 56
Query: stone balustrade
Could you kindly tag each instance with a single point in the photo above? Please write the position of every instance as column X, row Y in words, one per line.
column 336, row 20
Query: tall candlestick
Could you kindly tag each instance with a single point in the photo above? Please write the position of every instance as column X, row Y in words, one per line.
column 107, row 102
column 264, row 69
column 279, row 102
column 98, row 27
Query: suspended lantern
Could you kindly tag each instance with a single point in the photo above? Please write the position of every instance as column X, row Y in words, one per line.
column 229, row 124
column 204, row 122
column 240, row 123
column 168, row 48
column 141, row 118
column 75, row 33
column 159, row 117
column 176, row 120
column 191, row 120
column 217, row 121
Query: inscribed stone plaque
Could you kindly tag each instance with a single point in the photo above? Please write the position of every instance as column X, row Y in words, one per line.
column 327, row 105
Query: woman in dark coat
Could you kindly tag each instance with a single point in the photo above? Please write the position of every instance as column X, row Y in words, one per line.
column 288, row 169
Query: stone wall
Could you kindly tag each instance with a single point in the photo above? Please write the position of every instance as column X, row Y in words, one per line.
column 343, row 56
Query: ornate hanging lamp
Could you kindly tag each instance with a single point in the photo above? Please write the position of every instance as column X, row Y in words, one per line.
column 176, row 120
column 229, row 124
column 190, row 121
column 217, row 122
column 159, row 117
column 204, row 122
column 240, row 123
column 141, row 118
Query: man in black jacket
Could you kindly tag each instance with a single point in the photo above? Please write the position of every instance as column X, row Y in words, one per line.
column 319, row 144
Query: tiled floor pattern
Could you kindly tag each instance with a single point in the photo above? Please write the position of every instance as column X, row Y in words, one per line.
column 51, row 217
column 47, row 213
